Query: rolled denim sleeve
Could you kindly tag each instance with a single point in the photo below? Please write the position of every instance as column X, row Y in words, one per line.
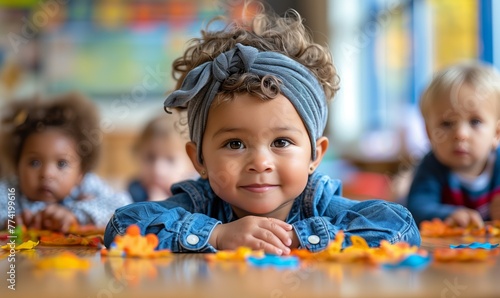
column 177, row 229
column 374, row 220
column 324, row 212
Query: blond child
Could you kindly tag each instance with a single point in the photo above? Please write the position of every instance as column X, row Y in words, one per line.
column 256, row 96
column 51, row 148
column 459, row 179
column 162, row 159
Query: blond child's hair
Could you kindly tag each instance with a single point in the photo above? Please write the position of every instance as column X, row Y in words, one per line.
column 446, row 83
column 163, row 126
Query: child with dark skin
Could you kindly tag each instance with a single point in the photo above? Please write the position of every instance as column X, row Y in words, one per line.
column 50, row 154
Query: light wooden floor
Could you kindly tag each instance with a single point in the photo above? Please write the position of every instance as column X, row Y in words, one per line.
column 189, row 275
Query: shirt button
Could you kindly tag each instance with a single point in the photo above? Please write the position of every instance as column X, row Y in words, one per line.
column 313, row 239
column 192, row 239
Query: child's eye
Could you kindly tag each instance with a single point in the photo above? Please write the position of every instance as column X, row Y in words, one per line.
column 234, row 144
column 62, row 163
column 281, row 143
column 446, row 124
column 35, row 163
column 475, row 122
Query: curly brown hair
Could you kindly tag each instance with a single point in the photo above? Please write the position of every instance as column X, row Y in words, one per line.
column 266, row 31
column 74, row 114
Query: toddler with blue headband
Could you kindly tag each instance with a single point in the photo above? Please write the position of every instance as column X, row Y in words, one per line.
column 256, row 97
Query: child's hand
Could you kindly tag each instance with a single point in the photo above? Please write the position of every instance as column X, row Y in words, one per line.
column 53, row 217
column 465, row 217
column 269, row 234
column 495, row 208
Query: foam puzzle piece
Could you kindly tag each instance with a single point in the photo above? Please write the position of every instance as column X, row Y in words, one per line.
column 462, row 255
column 438, row 228
column 133, row 244
column 23, row 246
column 280, row 262
column 239, row 254
column 475, row 245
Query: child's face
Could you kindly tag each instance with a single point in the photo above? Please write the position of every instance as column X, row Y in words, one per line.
column 49, row 166
column 164, row 162
column 463, row 129
column 257, row 154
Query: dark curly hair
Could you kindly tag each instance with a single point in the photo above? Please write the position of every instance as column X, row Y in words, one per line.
column 266, row 31
column 72, row 113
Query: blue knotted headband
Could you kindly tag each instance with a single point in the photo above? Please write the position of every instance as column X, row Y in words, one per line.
column 300, row 86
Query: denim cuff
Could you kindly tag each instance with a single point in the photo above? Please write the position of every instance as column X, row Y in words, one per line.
column 312, row 233
column 195, row 233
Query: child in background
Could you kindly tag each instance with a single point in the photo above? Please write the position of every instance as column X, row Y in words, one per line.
column 51, row 147
column 161, row 150
column 256, row 96
column 459, row 179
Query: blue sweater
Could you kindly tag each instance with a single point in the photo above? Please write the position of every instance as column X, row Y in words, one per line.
column 436, row 192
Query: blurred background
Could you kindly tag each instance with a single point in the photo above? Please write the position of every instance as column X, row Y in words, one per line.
column 119, row 53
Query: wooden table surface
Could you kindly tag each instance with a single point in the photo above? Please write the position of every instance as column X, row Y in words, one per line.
column 189, row 275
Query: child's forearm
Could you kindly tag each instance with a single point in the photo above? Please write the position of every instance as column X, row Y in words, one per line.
column 374, row 220
column 177, row 229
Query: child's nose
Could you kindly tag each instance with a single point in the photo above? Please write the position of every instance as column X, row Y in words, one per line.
column 48, row 171
column 462, row 132
column 261, row 161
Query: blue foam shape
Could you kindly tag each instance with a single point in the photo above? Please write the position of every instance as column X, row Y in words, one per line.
column 413, row 261
column 274, row 261
column 475, row 245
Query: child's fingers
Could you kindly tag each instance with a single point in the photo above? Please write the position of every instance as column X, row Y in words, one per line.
column 36, row 221
column 476, row 219
column 253, row 232
column 459, row 218
column 48, row 217
column 275, row 235
column 269, row 248
column 450, row 221
column 280, row 229
column 465, row 217
column 66, row 225
column 58, row 218
column 268, row 241
column 284, row 225
column 25, row 218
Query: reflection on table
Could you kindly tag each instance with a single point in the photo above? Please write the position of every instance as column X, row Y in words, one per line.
column 190, row 275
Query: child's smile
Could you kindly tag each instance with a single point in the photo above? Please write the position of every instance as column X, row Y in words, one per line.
column 259, row 188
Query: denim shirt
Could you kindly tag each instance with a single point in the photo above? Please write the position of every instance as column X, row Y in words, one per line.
column 185, row 221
